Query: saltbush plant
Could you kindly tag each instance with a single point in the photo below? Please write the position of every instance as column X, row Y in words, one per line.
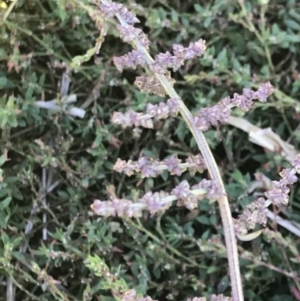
column 60, row 148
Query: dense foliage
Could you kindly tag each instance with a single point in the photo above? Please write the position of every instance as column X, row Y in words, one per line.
column 54, row 164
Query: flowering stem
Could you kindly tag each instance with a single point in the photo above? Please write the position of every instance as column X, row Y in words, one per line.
column 230, row 239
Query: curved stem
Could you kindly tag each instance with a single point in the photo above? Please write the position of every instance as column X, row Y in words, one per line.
column 228, row 226
column 227, row 221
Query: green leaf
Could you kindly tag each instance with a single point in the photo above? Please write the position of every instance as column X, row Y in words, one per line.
column 203, row 219
column 222, row 60
column 63, row 194
column 3, row 220
column 293, row 38
column 212, row 269
column 275, row 29
column 292, row 24
column 213, row 219
column 3, row 53
column 199, row 9
column 5, row 238
column 3, row 82
column 19, row 256
column 174, row 16
column 294, row 14
column 29, row 94
column 62, row 14
column 5, row 203
column 207, row 22
column 238, row 176
column 3, row 159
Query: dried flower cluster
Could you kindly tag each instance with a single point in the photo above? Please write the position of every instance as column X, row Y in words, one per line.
column 212, row 298
column 221, row 111
column 160, row 111
column 150, row 84
column 149, row 167
column 163, row 61
column 203, row 119
column 256, row 212
column 111, row 9
column 129, row 33
column 159, row 202
column 131, row 295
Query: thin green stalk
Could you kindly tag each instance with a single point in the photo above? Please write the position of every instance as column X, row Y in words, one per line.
column 168, row 246
column 228, row 226
column 9, row 10
column 252, row 28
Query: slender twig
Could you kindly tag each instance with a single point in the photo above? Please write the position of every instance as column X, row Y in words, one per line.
column 10, row 287
column 9, row 10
